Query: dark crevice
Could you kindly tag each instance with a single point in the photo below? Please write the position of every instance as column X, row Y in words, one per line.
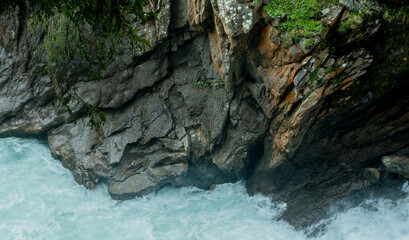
column 286, row 92
column 255, row 153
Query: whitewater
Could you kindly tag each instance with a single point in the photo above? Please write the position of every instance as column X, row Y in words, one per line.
column 40, row 200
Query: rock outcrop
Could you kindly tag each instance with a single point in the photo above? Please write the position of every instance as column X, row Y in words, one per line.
column 397, row 164
column 222, row 96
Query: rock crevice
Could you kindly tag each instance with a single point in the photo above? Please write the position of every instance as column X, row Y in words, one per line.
column 223, row 95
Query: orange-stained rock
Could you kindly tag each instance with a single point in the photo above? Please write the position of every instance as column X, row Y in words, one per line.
column 215, row 51
column 328, row 90
column 347, row 80
column 198, row 12
column 266, row 47
column 290, row 98
column 337, row 72
column 279, row 78
column 281, row 140
column 346, row 86
column 274, row 54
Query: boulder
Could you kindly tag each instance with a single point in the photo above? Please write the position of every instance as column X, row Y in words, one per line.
column 397, row 164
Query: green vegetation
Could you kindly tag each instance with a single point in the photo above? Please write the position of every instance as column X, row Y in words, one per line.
column 301, row 18
column 314, row 75
column 201, row 84
column 83, row 34
column 353, row 21
column 286, row 107
column 400, row 10
column 309, row 43
column 330, row 70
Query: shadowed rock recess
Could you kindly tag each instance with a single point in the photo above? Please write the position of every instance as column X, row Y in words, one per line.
column 223, row 96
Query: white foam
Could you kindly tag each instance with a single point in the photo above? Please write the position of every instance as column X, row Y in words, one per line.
column 40, row 200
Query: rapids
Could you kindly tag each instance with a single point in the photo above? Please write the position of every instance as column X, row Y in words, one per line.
column 40, row 200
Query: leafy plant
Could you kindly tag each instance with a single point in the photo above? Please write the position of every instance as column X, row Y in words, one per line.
column 301, row 18
column 330, row 70
column 201, row 84
column 314, row 75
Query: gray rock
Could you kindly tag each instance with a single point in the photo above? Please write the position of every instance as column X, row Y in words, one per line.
column 299, row 79
column 305, row 144
column 147, row 181
column 353, row 4
column 331, row 15
column 179, row 16
column 397, row 164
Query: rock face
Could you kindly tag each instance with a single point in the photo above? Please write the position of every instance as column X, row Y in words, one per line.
column 372, row 174
column 397, row 164
column 220, row 98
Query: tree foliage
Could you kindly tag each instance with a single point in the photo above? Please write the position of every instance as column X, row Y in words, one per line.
column 84, row 33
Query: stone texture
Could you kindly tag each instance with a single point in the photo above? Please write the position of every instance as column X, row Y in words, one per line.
column 354, row 5
column 198, row 12
column 220, row 98
column 397, row 164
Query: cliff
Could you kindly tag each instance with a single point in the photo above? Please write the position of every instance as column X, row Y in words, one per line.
column 224, row 95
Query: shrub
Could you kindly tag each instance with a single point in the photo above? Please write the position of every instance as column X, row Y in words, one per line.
column 301, row 18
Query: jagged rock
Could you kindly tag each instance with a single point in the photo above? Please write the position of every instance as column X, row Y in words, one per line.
column 237, row 18
column 331, row 15
column 397, row 164
column 353, row 4
column 230, row 96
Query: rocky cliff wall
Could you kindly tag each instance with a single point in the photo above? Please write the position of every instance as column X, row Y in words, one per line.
column 221, row 97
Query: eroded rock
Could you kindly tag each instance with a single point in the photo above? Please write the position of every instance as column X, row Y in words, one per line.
column 397, row 164
column 223, row 95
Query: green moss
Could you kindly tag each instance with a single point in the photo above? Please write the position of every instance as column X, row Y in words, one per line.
column 309, row 43
column 330, row 70
column 404, row 14
column 287, row 41
column 354, row 20
column 314, row 75
column 201, row 84
column 83, row 35
column 301, row 17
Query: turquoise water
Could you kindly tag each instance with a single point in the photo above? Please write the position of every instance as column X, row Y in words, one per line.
column 40, row 200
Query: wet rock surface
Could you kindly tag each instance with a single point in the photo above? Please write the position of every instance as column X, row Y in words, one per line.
column 220, row 98
column 397, row 164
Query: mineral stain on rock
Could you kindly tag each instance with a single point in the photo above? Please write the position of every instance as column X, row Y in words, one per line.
column 219, row 98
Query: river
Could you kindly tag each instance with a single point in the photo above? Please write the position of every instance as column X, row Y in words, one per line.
column 40, row 200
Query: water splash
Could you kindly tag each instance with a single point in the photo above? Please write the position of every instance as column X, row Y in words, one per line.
column 40, row 200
